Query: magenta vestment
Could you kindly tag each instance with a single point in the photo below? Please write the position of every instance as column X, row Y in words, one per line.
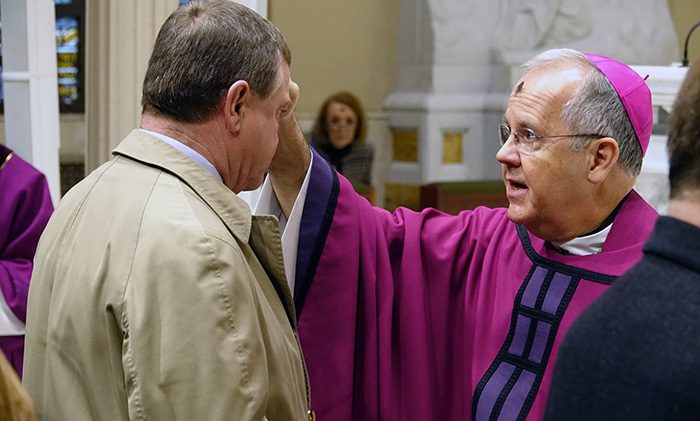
column 427, row 316
column 25, row 207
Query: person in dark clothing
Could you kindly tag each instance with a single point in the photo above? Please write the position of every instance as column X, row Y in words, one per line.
column 339, row 136
column 634, row 354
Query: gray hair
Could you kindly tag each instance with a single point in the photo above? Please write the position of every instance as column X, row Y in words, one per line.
column 201, row 50
column 595, row 107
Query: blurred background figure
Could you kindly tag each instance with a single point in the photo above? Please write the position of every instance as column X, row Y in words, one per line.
column 25, row 208
column 339, row 136
column 15, row 404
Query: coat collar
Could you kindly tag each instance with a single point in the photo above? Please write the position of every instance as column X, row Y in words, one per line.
column 148, row 150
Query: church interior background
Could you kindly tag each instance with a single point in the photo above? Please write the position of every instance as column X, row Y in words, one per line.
column 434, row 76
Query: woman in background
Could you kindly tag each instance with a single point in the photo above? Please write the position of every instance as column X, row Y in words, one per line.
column 339, row 135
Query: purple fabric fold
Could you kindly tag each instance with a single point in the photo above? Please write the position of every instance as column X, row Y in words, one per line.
column 25, row 208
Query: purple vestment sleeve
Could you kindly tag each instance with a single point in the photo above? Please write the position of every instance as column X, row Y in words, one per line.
column 25, row 208
column 424, row 315
column 366, row 298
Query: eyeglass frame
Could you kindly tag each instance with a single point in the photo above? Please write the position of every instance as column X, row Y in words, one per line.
column 532, row 144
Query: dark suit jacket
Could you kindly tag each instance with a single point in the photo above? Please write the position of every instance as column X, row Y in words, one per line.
column 634, row 353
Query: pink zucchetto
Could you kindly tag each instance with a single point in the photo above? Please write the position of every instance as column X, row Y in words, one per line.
column 633, row 92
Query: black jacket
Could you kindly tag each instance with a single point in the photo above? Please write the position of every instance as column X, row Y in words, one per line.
column 634, row 354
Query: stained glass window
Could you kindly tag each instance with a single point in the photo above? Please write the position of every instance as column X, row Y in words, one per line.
column 70, row 24
column 70, row 54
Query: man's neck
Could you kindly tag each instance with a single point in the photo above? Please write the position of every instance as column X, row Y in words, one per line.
column 202, row 137
column 185, row 133
column 686, row 208
column 605, row 203
column 609, row 220
column 590, row 242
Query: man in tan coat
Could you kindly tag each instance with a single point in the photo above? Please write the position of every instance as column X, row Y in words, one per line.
column 156, row 295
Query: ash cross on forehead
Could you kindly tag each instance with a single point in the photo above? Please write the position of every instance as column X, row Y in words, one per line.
column 519, row 88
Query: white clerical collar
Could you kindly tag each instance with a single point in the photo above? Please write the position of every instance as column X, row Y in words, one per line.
column 191, row 153
column 587, row 244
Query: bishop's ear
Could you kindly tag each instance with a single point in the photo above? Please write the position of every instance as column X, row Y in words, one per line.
column 604, row 154
column 235, row 103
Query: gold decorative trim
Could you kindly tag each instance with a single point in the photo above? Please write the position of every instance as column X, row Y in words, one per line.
column 7, row 159
column 406, row 195
column 405, row 145
column 452, row 148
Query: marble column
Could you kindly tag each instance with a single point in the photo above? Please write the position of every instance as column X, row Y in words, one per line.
column 449, row 98
column 30, row 85
column 120, row 36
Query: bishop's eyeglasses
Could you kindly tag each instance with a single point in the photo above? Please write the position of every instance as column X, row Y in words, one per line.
column 527, row 141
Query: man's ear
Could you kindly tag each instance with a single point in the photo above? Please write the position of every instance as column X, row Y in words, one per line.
column 603, row 156
column 237, row 98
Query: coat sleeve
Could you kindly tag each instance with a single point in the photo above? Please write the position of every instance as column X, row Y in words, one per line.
column 25, row 208
column 193, row 342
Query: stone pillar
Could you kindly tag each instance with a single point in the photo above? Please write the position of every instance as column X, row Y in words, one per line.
column 30, row 85
column 259, row 6
column 449, row 98
column 120, row 36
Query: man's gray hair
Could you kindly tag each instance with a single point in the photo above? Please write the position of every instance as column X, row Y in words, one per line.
column 595, row 107
column 201, row 50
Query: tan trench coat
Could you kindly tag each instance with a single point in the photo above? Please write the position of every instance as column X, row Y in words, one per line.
column 156, row 295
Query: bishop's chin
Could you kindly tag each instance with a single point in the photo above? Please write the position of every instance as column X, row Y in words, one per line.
column 516, row 213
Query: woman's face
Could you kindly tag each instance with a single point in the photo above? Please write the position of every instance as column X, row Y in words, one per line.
column 341, row 123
